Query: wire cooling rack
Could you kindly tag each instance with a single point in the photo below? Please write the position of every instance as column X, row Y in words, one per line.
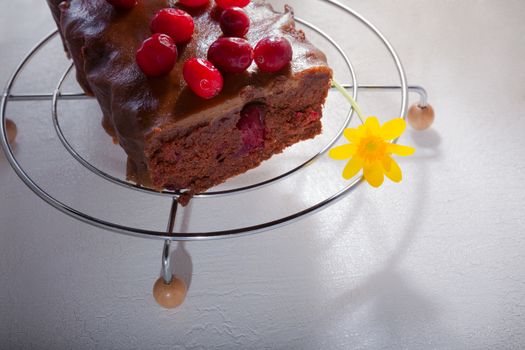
column 57, row 96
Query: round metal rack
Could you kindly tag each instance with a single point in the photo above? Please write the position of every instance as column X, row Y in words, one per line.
column 170, row 234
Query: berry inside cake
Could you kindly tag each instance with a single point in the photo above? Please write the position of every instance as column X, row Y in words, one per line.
column 195, row 91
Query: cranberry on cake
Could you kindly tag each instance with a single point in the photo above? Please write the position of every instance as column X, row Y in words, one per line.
column 193, row 104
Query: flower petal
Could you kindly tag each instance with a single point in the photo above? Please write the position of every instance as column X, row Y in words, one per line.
column 352, row 168
column 387, row 163
column 372, row 125
column 374, row 174
column 343, row 152
column 400, row 150
column 394, row 173
column 393, row 129
column 354, row 135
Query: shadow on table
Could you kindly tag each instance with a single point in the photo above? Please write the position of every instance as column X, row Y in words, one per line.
column 396, row 306
column 429, row 139
column 393, row 306
column 3, row 159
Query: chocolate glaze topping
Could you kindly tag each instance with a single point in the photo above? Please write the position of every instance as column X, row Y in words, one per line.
column 139, row 111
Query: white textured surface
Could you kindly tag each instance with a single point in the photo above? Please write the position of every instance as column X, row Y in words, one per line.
column 437, row 262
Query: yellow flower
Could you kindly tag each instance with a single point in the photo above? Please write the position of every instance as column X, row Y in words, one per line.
column 370, row 149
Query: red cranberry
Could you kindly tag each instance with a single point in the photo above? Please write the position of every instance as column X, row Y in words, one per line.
column 231, row 55
column 224, row 4
column 194, row 3
column 123, row 4
column 307, row 117
column 235, row 22
column 178, row 24
column 157, row 55
column 313, row 116
column 273, row 54
column 202, row 77
column 251, row 126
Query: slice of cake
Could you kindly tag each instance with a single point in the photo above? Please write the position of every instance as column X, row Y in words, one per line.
column 175, row 135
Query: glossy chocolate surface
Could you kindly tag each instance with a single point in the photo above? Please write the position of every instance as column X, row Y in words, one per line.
column 137, row 110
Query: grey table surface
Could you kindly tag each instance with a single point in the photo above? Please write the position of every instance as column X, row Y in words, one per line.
column 437, row 262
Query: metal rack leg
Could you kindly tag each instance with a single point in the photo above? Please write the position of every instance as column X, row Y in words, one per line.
column 423, row 96
column 166, row 274
column 166, row 261
column 169, row 291
column 420, row 115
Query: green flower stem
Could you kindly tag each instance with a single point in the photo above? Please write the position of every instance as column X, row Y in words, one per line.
column 350, row 99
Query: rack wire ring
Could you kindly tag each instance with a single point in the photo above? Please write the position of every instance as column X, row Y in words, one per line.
column 208, row 194
column 194, row 235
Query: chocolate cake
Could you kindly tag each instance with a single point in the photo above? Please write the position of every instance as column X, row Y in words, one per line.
column 173, row 138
